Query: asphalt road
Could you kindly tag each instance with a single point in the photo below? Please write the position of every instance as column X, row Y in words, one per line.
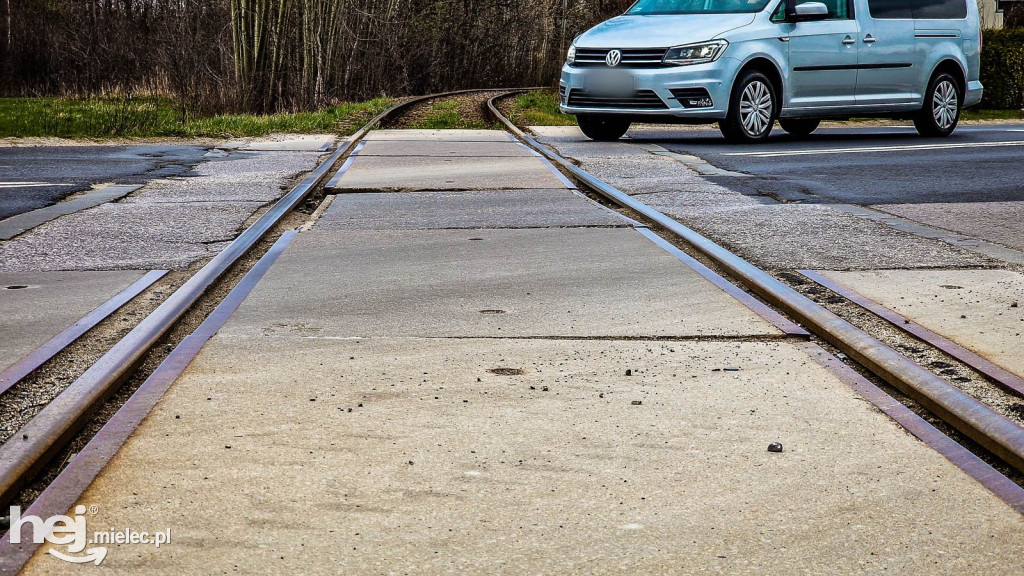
column 34, row 177
column 870, row 165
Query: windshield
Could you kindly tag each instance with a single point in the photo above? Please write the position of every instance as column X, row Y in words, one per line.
column 651, row 7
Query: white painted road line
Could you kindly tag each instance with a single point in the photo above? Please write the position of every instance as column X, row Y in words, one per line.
column 864, row 149
column 29, row 184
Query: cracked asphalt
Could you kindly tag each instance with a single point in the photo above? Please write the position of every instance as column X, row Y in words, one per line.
column 194, row 200
column 781, row 204
column 33, row 177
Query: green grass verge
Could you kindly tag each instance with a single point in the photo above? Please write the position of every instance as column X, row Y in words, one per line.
column 446, row 115
column 539, row 108
column 976, row 114
column 151, row 117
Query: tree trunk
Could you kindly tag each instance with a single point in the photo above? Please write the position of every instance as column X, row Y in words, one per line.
column 5, row 40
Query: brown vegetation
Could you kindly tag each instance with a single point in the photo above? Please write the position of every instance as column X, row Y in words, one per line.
column 265, row 55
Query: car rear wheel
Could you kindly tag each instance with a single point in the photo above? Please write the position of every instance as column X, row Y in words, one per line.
column 603, row 128
column 752, row 109
column 799, row 127
column 941, row 111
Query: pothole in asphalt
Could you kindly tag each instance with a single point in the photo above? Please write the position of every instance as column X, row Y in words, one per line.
column 507, row 371
column 495, row 311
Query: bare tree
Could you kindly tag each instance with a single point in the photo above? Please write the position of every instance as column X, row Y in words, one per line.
column 266, row 55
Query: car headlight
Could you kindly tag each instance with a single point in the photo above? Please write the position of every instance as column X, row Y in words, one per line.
column 571, row 57
column 699, row 53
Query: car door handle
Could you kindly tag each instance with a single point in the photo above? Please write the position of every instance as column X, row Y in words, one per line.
column 848, row 40
column 870, row 39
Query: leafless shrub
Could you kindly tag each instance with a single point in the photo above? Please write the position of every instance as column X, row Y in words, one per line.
column 267, row 55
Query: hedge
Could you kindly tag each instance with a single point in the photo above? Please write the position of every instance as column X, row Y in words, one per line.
column 1002, row 69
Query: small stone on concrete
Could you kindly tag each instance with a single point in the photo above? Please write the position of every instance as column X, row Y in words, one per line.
column 637, row 402
column 775, row 447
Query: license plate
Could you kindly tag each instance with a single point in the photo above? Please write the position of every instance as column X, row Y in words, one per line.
column 609, row 83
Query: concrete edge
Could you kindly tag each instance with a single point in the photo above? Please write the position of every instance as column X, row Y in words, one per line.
column 771, row 316
column 1002, row 377
column 1004, row 488
column 61, row 495
column 333, row 183
column 976, row 245
column 39, row 356
column 21, row 223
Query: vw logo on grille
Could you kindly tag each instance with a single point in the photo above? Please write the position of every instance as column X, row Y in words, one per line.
column 613, row 58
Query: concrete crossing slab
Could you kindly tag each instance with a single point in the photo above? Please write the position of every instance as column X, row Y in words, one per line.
column 465, row 210
column 321, row 456
column 442, row 148
column 981, row 310
column 20, row 223
column 415, row 173
column 48, row 303
column 576, row 282
column 441, row 135
column 292, row 142
column 999, row 222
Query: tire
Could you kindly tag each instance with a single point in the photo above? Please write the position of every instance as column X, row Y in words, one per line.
column 799, row 127
column 753, row 108
column 941, row 111
column 603, row 128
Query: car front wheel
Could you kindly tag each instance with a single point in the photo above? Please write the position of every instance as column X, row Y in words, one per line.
column 941, row 111
column 752, row 109
column 603, row 128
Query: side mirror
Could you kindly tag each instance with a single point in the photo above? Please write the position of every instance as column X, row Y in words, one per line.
column 810, row 11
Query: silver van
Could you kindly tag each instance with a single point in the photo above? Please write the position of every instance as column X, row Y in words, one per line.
column 747, row 63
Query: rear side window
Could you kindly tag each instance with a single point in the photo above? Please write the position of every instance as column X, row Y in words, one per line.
column 890, row 9
column 940, row 9
column 921, row 9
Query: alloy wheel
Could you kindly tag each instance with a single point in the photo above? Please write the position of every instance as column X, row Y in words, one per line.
column 756, row 108
column 945, row 104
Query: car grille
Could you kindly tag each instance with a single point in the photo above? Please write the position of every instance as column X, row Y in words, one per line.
column 693, row 97
column 641, row 100
column 631, row 57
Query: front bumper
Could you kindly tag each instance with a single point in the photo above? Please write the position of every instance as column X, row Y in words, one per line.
column 716, row 77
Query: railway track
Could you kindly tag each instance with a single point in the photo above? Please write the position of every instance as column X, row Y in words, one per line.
column 29, row 454
column 34, row 455
column 925, row 390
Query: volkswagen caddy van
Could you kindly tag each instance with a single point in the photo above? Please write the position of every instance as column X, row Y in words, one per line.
column 747, row 63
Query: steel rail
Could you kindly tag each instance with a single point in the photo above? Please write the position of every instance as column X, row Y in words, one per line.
column 995, row 432
column 31, row 447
